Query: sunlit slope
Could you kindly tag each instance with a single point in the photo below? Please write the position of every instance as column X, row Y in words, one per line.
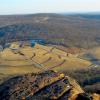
column 38, row 58
column 96, row 52
column 61, row 60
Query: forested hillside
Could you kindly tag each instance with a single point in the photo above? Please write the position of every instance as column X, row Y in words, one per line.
column 68, row 30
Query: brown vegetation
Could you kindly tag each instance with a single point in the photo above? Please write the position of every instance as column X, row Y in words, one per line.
column 72, row 31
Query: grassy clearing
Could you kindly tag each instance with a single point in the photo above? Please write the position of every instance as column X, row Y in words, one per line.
column 12, row 63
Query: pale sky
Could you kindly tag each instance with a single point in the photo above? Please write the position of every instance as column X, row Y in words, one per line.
column 48, row 6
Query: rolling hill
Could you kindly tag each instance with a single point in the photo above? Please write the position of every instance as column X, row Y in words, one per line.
column 71, row 45
column 67, row 30
column 16, row 60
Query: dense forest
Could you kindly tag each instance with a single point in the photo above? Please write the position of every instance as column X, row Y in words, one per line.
column 68, row 30
column 89, row 79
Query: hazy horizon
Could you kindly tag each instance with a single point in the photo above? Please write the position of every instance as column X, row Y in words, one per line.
column 13, row 7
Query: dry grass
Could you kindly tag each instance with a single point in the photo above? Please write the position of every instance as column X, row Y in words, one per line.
column 7, row 54
column 18, row 69
column 96, row 52
column 15, row 63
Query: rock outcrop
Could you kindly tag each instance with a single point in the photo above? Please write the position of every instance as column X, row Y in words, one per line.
column 48, row 85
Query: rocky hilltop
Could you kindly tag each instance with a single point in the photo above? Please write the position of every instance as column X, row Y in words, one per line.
column 48, row 85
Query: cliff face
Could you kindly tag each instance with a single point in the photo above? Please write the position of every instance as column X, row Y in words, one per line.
column 43, row 86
